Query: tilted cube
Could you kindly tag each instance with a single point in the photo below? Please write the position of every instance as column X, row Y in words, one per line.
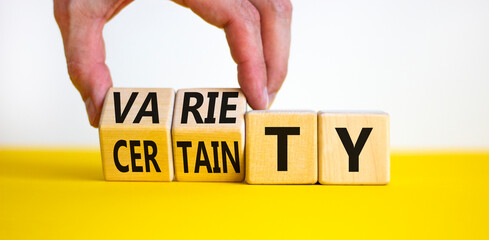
column 208, row 135
column 135, row 134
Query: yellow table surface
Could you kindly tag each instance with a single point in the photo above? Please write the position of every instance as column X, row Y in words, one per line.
column 61, row 194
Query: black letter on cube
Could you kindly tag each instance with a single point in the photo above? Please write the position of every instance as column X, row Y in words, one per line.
column 282, row 133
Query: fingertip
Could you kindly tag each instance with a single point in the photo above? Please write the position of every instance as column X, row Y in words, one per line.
column 257, row 101
column 91, row 112
column 95, row 100
column 252, row 79
column 271, row 98
column 99, row 102
column 265, row 97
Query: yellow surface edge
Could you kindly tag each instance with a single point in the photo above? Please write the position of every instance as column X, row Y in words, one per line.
column 61, row 194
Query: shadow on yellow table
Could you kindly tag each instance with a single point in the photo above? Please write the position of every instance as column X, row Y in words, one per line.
column 61, row 194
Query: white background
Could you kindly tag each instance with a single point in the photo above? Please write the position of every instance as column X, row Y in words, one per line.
column 424, row 62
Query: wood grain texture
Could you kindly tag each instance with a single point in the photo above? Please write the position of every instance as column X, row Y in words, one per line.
column 154, row 139
column 374, row 158
column 205, row 148
column 262, row 152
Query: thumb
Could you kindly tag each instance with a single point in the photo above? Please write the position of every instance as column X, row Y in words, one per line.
column 92, row 81
column 85, row 56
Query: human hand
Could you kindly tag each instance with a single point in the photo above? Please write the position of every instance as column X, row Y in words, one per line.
column 257, row 31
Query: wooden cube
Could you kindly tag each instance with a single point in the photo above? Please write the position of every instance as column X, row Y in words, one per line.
column 353, row 148
column 208, row 135
column 281, row 147
column 135, row 138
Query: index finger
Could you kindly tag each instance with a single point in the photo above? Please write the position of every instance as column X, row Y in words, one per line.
column 241, row 22
column 276, row 18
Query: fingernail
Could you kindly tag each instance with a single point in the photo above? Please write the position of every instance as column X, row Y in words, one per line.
column 271, row 98
column 91, row 110
column 265, row 95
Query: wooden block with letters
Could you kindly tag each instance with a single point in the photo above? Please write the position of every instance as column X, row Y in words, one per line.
column 135, row 137
column 281, row 147
column 353, row 148
column 208, row 135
